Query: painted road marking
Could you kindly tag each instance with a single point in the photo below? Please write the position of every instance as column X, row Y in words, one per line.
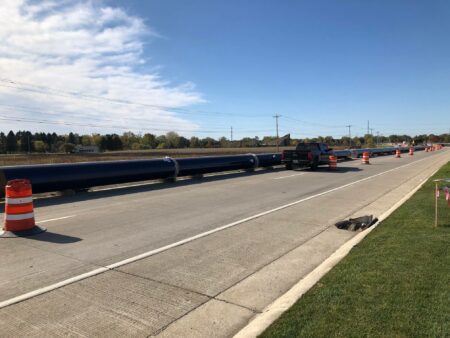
column 56, row 219
column 150, row 253
column 279, row 178
column 274, row 310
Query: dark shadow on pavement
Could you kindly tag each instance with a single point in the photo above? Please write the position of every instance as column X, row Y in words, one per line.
column 53, row 237
column 143, row 187
column 339, row 170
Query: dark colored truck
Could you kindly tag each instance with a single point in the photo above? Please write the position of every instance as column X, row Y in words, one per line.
column 306, row 155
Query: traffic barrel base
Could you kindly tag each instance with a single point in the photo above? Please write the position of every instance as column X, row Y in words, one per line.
column 36, row 229
column 19, row 213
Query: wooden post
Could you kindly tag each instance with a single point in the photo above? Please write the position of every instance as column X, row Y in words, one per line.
column 436, row 209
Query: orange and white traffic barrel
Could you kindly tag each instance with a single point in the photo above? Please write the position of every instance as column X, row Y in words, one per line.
column 411, row 151
column 332, row 162
column 426, row 149
column 365, row 158
column 398, row 153
column 19, row 213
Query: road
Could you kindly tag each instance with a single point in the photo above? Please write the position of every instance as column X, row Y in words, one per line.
column 215, row 251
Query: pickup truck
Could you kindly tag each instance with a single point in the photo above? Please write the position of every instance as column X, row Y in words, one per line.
column 306, row 155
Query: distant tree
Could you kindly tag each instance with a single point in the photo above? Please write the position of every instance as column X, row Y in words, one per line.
column 58, row 146
column 329, row 140
column 345, row 141
column 40, row 146
column 128, row 138
column 172, row 139
column 71, row 138
column 25, row 142
column 161, row 141
column 184, row 142
column 98, row 141
column 446, row 138
column 369, row 141
column 68, row 147
column 2, row 143
column 149, row 140
column 224, row 142
column 356, row 142
column 111, row 142
column 139, row 146
column 116, row 142
column 87, row 140
column 11, row 142
column 162, row 145
column 195, row 142
column 208, row 142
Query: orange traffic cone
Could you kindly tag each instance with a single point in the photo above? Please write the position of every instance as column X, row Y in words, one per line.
column 411, row 151
column 365, row 158
column 19, row 213
column 332, row 162
column 398, row 153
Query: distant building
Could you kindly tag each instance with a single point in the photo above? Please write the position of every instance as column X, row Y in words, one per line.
column 86, row 150
column 283, row 141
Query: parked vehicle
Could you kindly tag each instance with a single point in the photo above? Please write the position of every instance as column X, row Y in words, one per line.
column 306, row 155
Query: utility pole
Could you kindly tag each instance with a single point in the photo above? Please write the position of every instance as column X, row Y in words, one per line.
column 276, row 117
column 231, row 133
column 378, row 138
column 371, row 131
column 368, row 125
column 349, row 135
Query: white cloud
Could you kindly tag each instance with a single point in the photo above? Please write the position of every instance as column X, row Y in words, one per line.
column 82, row 47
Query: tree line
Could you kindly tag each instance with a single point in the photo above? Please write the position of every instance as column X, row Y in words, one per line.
column 25, row 141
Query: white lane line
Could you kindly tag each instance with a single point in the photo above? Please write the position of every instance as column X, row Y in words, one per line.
column 279, row 178
column 55, row 219
column 147, row 254
column 274, row 310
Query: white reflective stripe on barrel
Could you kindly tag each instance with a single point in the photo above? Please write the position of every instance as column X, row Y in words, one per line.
column 19, row 217
column 18, row 200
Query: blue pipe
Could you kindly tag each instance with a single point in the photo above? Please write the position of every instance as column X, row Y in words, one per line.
column 56, row 177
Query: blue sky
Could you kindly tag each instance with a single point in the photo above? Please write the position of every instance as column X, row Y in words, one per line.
column 331, row 62
column 215, row 64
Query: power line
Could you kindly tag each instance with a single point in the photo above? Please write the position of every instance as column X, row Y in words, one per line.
column 91, row 125
column 139, row 120
column 90, row 117
column 312, row 123
column 44, row 90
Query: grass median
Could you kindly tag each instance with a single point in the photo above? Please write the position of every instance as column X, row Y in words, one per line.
column 395, row 283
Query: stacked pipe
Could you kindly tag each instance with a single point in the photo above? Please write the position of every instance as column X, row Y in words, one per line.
column 77, row 176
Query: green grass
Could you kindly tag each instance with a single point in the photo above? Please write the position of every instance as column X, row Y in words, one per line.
column 395, row 283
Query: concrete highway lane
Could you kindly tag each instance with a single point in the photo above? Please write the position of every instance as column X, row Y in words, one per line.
column 216, row 272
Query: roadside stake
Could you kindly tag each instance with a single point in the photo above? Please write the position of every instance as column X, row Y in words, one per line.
column 100, row 270
column 273, row 311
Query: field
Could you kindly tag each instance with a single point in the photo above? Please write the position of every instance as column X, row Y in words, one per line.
column 395, row 283
column 20, row 159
